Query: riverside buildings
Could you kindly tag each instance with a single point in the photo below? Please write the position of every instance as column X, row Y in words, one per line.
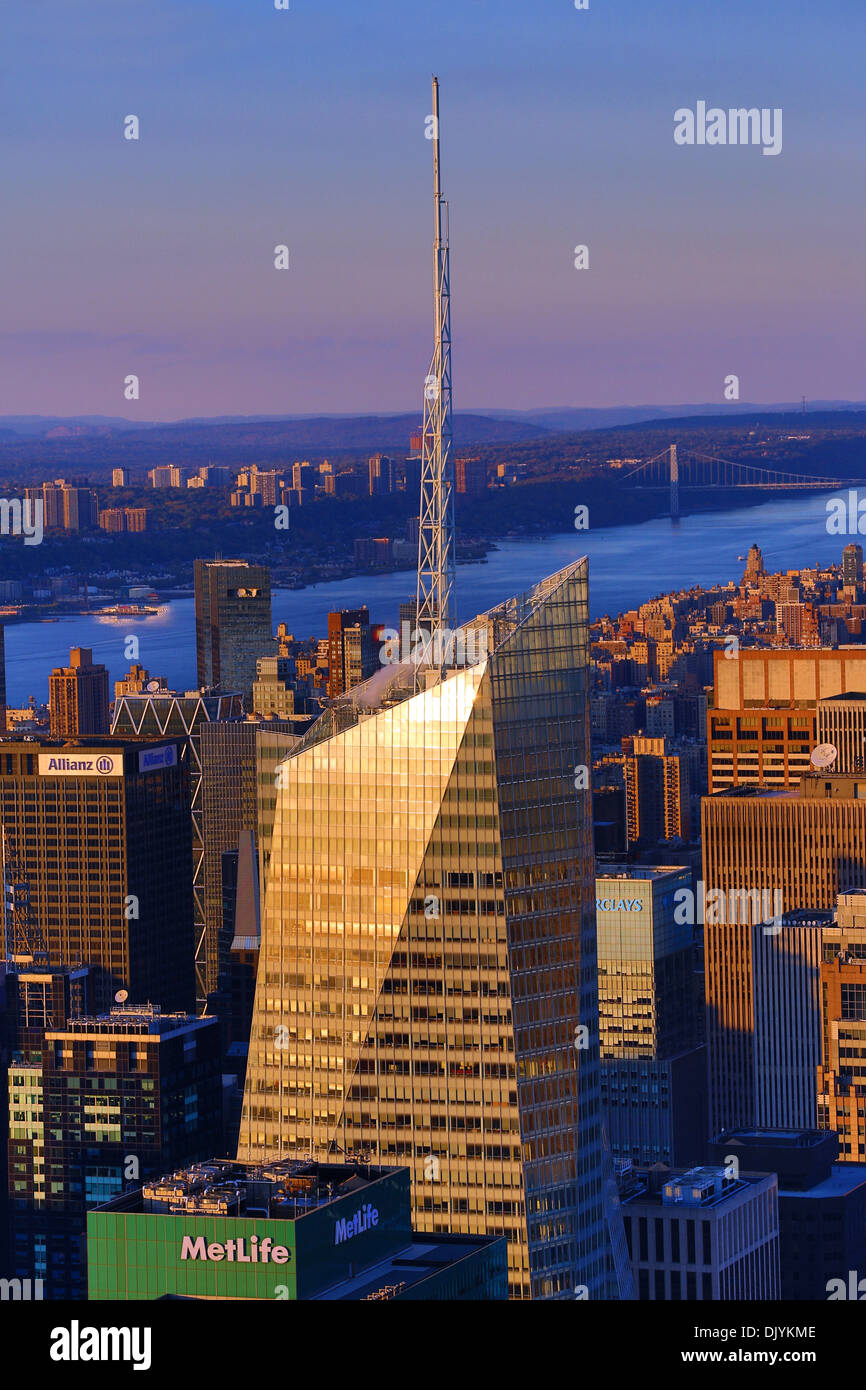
column 427, row 980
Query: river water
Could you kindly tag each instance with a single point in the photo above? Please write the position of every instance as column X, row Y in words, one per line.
column 628, row 564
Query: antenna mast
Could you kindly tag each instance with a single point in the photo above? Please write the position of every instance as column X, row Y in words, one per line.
column 435, row 595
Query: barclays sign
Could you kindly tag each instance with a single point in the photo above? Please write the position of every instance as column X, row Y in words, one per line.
column 618, row 905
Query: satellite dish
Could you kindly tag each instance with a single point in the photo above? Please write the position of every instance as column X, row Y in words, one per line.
column 152, row 686
column 121, row 996
column 824, row 756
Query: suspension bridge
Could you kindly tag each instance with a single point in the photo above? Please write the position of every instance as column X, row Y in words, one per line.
column 673, row 468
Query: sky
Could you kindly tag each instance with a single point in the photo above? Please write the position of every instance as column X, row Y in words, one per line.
column 306, row 128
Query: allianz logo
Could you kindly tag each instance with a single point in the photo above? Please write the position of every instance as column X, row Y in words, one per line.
column 618, row 905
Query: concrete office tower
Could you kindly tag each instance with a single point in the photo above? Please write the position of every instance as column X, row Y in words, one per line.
column 762, row 725
column 703, row 1234
column 99, row 832
column 765, row 854
column 351, row 658
column 78, row 696
column 653, row 1068
column 786, row 994
column 427, row 985
column 842, row 722
column 232, row 623
column 842, row 1075
column 98, row 1091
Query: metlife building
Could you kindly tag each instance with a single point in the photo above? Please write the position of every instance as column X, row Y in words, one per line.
column 283, row 1231
column 653, row 1063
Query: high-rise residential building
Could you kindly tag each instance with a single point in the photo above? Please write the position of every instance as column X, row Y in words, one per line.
column 374, row 551
column 653, row 1068
column 702, row 1235
column 822, row 1206
column 427, row 989
column 842, row 1074
column 852, row 566
column 112, row 519
column 102, row 1099
column 120, row 477
column 380, row 475
column 766, row 853
column 341, row 1232
column 351, row 650
column 78, row 696
column 136, row 518
column 232, row 623
column 470, row 476
column 762, row 725
column 99, row 832
column 657, row 792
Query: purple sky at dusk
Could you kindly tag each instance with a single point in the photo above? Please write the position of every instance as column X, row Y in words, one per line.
column 307, row 127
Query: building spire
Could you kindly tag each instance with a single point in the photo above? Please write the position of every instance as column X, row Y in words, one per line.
column 435, row 594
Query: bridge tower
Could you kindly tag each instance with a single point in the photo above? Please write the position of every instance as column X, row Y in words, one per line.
column 675, row 483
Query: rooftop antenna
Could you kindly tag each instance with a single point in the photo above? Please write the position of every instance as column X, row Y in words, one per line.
column 435, row 593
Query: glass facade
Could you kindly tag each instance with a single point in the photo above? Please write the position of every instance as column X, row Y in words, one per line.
column 427, row 986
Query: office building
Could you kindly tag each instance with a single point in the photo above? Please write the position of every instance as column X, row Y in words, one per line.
column 97, row 836
column 101, row 1100
column 337, row 1232
column 232, row 623
column 429, row 922
column 762, row 725
column 351, row 651
column 703, row 1234
column 653, row 1068
column 163, row 713
column 822, row 1204
column 274, row 692
column 842, row 722
column 766, row 853
column 842, row 1074
column 235, row 755
column 786, row 1011
column 78, row 696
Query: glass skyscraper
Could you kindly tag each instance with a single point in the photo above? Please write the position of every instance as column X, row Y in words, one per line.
column 427, row 988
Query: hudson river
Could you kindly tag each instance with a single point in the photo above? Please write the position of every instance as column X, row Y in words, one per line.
column 628, row 564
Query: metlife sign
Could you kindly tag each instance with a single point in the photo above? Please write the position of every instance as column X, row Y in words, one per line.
column 81, row 763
